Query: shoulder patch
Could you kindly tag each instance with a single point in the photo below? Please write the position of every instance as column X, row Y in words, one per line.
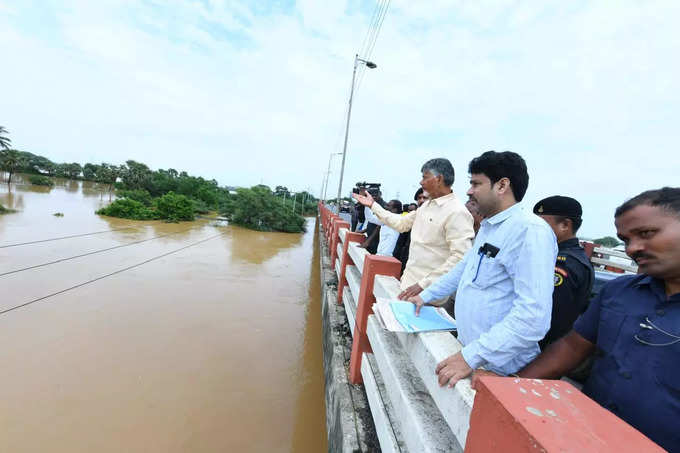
column 558, row 279
column 561, row 258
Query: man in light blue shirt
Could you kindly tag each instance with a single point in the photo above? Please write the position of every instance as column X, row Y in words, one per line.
column 504, row 284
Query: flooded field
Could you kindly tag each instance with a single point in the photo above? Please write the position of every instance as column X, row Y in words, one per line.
column 188, row 337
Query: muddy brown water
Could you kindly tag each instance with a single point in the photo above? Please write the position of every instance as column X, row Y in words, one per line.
column 216, row 347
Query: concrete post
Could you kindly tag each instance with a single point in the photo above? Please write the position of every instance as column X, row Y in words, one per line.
column 515, row 415
column 373, row 265
column 335, row 238
column 346, row 260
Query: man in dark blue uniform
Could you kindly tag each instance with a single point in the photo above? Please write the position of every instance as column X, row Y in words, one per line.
column 574, row 274
column 634, row 323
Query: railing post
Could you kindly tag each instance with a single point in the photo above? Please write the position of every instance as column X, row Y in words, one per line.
column 520, row 415
column 329, row 234
column 346, row 260
column 373, row 265
column 335, row 237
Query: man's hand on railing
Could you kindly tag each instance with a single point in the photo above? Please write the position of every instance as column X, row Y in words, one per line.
column 479, row 373
column 452, row 369
column 366, row 200
column 409, row 292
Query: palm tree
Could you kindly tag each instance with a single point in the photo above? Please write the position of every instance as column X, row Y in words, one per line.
column 10, row 161
column 4, row 141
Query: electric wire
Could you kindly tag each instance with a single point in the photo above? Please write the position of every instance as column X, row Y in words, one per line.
column 101, row 277
column 63, row 237
column 369, row 52
column 89, row 253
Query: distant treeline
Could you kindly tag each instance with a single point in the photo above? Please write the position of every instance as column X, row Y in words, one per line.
column 171, row 195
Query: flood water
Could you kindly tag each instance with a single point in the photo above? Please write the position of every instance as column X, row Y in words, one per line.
column 214, row 347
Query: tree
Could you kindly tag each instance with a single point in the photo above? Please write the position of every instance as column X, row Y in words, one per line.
column 90, row 172
column 281, row 191
column 607, row 241
column 259, row 209
column 10, row 161
column 4, row 141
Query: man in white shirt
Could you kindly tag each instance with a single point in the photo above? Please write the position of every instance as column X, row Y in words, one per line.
column 389, row 236
column 441, row 229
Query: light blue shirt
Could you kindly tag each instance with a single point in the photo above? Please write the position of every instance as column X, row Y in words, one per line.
column 503, row 303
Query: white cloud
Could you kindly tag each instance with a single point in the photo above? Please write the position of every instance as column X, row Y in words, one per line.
column 587, row 92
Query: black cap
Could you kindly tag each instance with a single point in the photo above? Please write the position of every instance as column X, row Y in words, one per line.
column 559, row 205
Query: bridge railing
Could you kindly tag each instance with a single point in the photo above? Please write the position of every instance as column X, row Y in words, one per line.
column 410, row 410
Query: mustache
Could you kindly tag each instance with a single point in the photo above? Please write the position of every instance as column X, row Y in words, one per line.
column 639, row 255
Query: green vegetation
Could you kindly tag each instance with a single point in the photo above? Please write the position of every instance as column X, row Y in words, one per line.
column 58, row 214
column 607, row 241
column 170, row 207
column 41, row 180
column 4, row 141
column 145, row 194
column 127, row 208
column 260, row 209
column 173, row 207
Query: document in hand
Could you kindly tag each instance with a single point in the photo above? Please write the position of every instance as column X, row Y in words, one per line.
column 400, row 316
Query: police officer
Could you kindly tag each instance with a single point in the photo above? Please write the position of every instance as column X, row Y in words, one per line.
column 574, row 274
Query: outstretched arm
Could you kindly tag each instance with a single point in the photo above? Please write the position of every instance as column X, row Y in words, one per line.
column 559, row 358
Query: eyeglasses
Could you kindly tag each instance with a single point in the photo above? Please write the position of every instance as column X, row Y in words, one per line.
column 650, row 326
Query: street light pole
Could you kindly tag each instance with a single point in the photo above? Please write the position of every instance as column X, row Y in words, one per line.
column 369, row 65
column 328, row 174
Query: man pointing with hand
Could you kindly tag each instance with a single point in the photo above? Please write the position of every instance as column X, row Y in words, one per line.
column 441, row 229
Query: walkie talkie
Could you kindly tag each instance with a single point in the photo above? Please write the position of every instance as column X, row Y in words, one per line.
column 488, row 250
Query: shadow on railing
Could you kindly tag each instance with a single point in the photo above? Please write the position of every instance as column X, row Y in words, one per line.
column 413, row 413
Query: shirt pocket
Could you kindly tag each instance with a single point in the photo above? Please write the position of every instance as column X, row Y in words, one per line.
column 608, row 332
column 487, row 272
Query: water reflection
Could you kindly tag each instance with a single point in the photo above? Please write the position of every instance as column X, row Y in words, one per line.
column 256, row 248
column 309, row 431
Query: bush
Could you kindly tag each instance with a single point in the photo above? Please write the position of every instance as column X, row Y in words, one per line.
column 126, row 208
column 141, row 195
column 200, row 207
column 173, row 207
column 259, row 209
column 39, row 180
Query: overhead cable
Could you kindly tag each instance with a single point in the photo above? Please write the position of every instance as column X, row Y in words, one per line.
column 64, row 237
column 106, row 275
column 89, row 253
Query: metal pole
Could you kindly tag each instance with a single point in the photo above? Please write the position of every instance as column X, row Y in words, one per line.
column 349, row 114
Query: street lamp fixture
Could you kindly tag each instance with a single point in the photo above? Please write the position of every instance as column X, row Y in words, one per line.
column 370, row 65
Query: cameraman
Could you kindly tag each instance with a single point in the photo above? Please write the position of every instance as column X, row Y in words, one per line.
column 372, row 225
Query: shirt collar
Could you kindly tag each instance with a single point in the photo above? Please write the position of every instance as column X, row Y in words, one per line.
column 568, row 244
column 503, row 215
column 444, row 199
column 657, row 287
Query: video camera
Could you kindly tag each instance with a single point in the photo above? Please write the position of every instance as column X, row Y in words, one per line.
column 371, row 187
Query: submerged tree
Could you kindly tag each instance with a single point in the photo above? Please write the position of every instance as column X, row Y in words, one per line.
column 11, row 161
column 260, row 209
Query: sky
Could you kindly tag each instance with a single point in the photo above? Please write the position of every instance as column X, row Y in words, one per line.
column 257, row 92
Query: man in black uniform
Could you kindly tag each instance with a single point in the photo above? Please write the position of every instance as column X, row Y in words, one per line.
column 574, row 274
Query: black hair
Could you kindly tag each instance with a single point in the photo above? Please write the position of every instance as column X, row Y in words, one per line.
column 418, row 192
column 576, row 222
column 667, row 198
column 505, row 164
column 440, row 166
column 397, row 204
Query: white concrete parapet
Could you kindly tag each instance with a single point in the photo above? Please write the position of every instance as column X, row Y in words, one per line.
column 410, row 410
